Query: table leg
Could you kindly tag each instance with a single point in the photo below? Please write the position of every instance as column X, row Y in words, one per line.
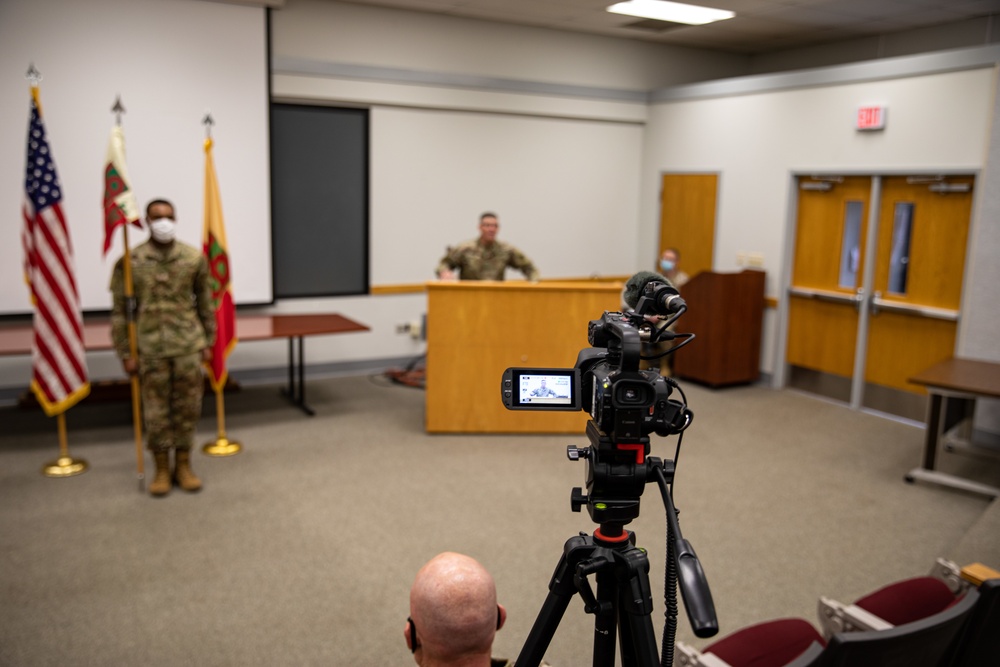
column 296, row 391
column 933, row 431
column 942, row 413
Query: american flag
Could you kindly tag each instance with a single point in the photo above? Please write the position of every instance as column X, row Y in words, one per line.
column 59, row 377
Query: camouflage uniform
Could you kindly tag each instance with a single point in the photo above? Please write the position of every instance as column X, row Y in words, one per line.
column 478, row 261
column 175, row 321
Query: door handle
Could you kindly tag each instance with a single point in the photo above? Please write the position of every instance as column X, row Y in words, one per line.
column 824, row 295
column 878, row 305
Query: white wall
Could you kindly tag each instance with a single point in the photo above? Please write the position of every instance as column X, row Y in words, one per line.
column 554, row 131
column 170, row 61
column 756, row 141
column 543, row 127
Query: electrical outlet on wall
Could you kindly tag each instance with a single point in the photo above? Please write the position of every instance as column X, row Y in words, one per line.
column 755, row 259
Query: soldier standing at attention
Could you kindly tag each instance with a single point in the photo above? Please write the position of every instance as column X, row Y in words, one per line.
column 484, row 258
column 175, row 327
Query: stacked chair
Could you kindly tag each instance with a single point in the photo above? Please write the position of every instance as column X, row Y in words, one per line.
column 948, row 619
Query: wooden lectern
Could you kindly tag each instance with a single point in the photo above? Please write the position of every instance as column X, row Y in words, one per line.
column 725, row 312
column 477, row 329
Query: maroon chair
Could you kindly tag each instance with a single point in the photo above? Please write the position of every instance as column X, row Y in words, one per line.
column 769, row 644
column 916, row 623
column 908, row 600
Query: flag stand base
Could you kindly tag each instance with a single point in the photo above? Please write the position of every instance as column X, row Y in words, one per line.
column 222, row 447
column 65, row 466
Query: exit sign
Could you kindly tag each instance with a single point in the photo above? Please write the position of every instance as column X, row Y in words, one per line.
column 871, row 118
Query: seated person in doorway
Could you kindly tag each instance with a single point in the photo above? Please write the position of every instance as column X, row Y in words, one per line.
column 484, row 258
column 669, row 268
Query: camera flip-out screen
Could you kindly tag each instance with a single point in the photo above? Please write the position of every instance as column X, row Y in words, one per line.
column 541, row 389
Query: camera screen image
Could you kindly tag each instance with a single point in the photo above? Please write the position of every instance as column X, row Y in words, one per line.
column 541, row 389
column 545, row 389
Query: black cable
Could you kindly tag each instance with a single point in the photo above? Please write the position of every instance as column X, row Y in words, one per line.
column 669, row 583
column 687, row 336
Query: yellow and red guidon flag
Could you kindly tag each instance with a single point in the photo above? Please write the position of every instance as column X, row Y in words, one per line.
column 119, row 199
column 215, row 249
column 59, row 367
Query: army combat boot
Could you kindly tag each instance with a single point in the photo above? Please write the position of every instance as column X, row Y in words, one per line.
column 183, row 474
column 160, row 486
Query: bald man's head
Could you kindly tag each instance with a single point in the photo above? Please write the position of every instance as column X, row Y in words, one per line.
column 453, row 604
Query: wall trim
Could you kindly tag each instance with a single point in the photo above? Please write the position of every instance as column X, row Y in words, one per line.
column 889, row 68
column 319, row 68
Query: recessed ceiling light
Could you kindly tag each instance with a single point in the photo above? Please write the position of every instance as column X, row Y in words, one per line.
column 676, row 12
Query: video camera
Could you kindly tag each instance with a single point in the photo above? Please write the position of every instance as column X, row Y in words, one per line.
column 626, row 404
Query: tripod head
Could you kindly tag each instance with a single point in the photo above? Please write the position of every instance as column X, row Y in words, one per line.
column 615, row 479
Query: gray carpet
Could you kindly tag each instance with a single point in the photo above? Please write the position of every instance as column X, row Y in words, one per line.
column 301, row 549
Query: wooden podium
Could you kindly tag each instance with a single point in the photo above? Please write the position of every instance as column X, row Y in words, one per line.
column 725, row 312
column 477, row 329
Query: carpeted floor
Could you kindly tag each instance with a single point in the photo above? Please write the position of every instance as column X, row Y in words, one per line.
column 301, row 549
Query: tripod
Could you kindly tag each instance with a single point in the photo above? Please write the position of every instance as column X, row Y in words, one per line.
column 623, row 601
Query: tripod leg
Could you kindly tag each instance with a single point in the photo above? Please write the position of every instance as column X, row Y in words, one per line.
column 542, row 631
column 606, row 619
column 561, row 590
column 635, row 608
column 638, row 641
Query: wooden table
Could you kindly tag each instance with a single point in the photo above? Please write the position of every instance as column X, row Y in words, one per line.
column 15, row 340
column 954, row 385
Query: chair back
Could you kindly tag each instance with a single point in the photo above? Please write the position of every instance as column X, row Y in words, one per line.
column 928, row 642
column 979, row 643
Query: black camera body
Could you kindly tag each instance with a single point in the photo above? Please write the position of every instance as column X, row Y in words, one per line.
column 625, row 403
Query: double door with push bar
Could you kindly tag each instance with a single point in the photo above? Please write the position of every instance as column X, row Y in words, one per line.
column 876, row 285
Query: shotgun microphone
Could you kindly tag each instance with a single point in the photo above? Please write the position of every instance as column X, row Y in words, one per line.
column 652, row 294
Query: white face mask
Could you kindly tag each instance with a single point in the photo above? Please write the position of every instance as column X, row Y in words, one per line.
column 163, row 230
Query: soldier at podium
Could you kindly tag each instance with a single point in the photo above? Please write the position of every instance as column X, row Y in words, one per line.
column 484, row 258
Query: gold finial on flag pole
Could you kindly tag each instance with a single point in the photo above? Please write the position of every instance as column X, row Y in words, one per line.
column 33, row 75
column 208, row 122
column 119, row 109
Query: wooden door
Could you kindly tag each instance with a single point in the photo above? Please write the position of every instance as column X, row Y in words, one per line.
column 827, row 273
column 917, row 289
column 687, row 220
column 897, row 306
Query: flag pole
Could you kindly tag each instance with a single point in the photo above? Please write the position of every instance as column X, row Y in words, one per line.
column 133, row 343
column 221, row 446
column 65, row 465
